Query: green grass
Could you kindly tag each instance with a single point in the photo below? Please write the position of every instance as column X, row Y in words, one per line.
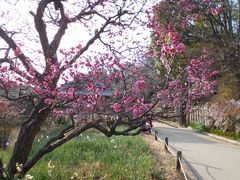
column 198, row 126
column 227, row 134
column 94, row 156
column 202, row 128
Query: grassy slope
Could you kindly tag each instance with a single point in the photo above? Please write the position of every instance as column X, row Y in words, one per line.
column 95, row 156
column 202, row 128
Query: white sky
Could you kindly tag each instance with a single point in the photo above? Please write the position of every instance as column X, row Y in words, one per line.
column 17, row 16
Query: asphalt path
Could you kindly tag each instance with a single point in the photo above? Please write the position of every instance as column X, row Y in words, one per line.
column 208, row 158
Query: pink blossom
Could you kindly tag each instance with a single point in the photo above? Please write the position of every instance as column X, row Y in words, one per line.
column 194, row 62
column 180, row 48
column 116, row 107
column 136, row 111
column 71, row 92
column 163, row 58
column 37, row 90
column 171, row 35
column 48, row 101
column 54, row 93
column 165, row 48
column 116, row 62
column 45, row 84
column 140, row 84
column 129, row 100
column 4, row 69
column 32, row 73
column 217, row 11
column 89, row 107
column 70, row 111
column 90, row 86
column 17, row 51
column 117, row 75
column 196, row 17
column 117, row 93
column 170, row 27
column 210, row 11
column 58, row 113
column 207, row 1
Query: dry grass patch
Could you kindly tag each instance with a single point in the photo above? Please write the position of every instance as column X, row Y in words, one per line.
column 165, row 167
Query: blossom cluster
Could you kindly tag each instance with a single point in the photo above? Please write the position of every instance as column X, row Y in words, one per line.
column 100, row 89
column 196, row 78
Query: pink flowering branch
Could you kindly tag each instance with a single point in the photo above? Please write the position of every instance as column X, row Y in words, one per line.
column 194, row 79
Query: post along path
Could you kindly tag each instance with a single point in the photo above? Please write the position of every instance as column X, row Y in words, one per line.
column 208, row 158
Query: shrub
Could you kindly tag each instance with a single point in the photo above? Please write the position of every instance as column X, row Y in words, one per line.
column 224, row 116
column 198, row 126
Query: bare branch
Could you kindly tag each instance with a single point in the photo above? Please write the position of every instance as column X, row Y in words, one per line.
column 90, row 42
column 13, row 46
column 41, row 27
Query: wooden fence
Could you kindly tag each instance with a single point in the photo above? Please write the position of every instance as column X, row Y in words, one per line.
column 178, row 155
column 197, row 114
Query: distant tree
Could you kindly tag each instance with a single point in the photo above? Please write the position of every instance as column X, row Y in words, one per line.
column 180, row 52
column 198, row 25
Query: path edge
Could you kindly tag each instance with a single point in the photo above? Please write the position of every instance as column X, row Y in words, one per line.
column 220, row 138
column 190, row 169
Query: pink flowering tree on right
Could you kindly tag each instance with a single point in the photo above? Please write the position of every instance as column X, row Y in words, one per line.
column 189, row 71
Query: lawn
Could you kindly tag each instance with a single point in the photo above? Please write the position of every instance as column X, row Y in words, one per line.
column 94, row 156
column 202, row 128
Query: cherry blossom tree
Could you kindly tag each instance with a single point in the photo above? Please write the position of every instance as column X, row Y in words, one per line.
column 71, row 80
column 79, row 79
column 197, row 26
column 189, row 71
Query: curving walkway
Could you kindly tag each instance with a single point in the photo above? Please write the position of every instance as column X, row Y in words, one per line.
column 208, row 158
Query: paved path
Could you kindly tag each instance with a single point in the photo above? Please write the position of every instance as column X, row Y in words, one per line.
column 209, row 159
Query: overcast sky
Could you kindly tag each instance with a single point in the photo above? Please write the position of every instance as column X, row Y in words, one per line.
column 17, row 16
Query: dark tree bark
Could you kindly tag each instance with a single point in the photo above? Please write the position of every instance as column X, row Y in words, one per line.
column 1, row 169
column 25, row 139
column 183, row 117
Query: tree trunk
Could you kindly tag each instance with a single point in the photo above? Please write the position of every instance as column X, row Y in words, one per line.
column 183, row 117
column 1, row 169
column 26, row 136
